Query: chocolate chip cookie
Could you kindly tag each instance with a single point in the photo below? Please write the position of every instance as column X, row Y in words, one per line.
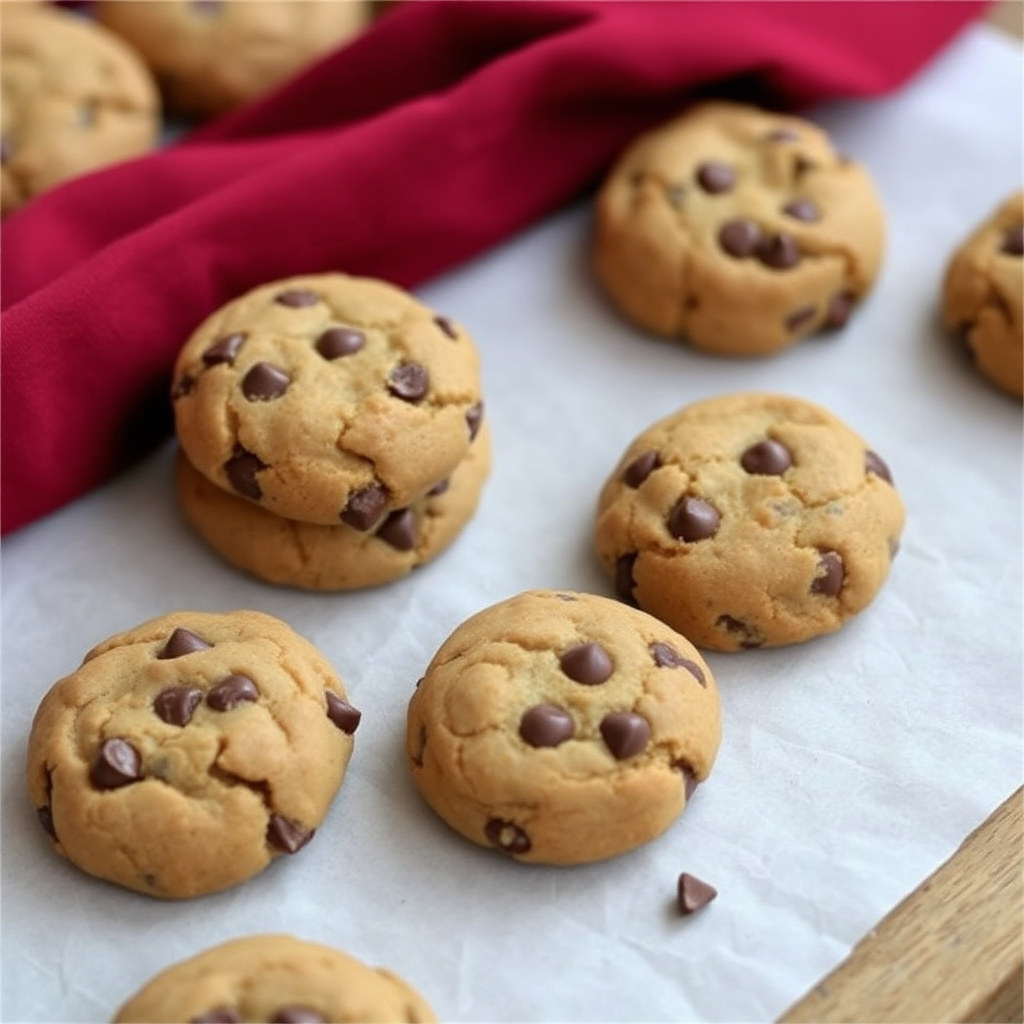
column 737, row 229
column 337, row 557
column 328, row 399
column 561, row 727
column 274, row 978
column 185, row 754
column 212, row 55
column 74, row 98
column 749, row 520
column 983, row 295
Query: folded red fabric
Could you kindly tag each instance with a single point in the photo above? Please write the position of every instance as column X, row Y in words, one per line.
column 445, row 128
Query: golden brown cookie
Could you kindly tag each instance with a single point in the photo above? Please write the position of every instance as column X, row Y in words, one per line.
column 983, row 295
column 749, row 520
column 73, row 98
column 185, row 754
column 737, row 229
column 328, row 398
column 212, row 55
column 338, row 557
column 278, row 979
column 561, row 728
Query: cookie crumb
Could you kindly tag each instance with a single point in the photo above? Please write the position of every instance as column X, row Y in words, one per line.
column 694, row 894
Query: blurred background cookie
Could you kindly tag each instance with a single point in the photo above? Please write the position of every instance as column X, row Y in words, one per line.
column 73, row 97
column 983, row 295
column 210, row 56
column 737, row 229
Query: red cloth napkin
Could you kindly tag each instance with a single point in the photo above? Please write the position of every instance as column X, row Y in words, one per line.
column 443, row 129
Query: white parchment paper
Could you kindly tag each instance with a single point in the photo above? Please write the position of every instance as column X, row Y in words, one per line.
column 851, row 766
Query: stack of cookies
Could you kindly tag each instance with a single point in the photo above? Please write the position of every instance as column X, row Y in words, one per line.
column 331, row 431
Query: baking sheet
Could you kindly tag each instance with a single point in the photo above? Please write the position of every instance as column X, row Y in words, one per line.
column 851, row 766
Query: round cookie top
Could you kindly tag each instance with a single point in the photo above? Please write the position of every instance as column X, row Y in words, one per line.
column 983, row 295
column 73, row 98
column 327, row 397
column 562, row 727
column 185, row 754
column 274, row 978
column 749, row 520
column 212, row 55
column 738, row 229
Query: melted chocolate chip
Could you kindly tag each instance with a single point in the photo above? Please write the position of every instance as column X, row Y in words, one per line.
column 337, row 342
column 342, row 714
column 506, row 836
column 474, row 417
column 766, row 458
column 409, row 381
column 1013, row 241
column 175, row 705
column 830, row 576
column 365, row 507
column 749, row 638
column 546, row 725
column 874, row 463
column 400, row 530
column 265, row 382
column 218, row 1015
column 296, row 298
column 209, row 9
column 839, row 310
column 800, row 318
column 297, row 1015
column 715, row 177
column 589, row 664
column 783, row 135
column 241, row 470
column 803, row 164
column 624, row 581
column 640, row 468
column 232, row 691
column 44, row 815
column 185, row 386
column 666, row 656
column 439, row 488
column 224, row 350
column 780, row 252
column 740, row 237
column 181, row 642
column 802, row 209
column 447, row 327
column 690, row 780
column 118, row 764
column 693, row 519
column 287, row 836
column 693, row 894
column 625, row 733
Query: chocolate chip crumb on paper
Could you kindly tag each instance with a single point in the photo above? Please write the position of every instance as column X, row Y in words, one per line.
column 693, row 894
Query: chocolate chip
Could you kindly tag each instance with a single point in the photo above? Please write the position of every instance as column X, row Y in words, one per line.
column 44, row 815
column 666, row 656
column 589, row 664
column 218, row 1015
column 874, row 463
column 506, row 836
column 6, row 149
column 624, row 581
column 288, row 836
column 208, row 9
column 625, row 733
column 185, row 386
column 1013, row 241
column 342, row 714
column 241, row 470
column 690, row 780
column 224, row 350
column 839, row 310
column 232, row 691
column 409, row 381
column 447, row 327
column 546, row 725
column 802, row 165
column 181, row 642
column 693, row 894
column 176, row 704
column 265, row 382
column 400, row 530
column 800, row 318
column 640, row 468
column 439, row 488
column 365, row 507
column 693, row 519
column 830, row 575
column 117, row 765
column 474, row 417
column 780, row 252
column 766, row 458
column 297, row 1015
column 749, row 639
column 783, row 135
column 715, row 177
column 296, row 298
column 802, row 209
column 336, row 342
column 740, row 237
